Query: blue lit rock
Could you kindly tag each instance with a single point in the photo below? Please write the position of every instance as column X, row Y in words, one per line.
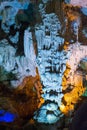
column 19, row 65
column 51, row 62
column 67, row 1
column 84, row 10
column 7, row 117
column 84, row 32
column 83, row 64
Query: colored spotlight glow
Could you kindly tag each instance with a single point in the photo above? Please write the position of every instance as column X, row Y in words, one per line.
column 7, row 117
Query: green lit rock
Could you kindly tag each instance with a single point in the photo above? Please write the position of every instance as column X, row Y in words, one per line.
column 83, row 64
column 6, row 76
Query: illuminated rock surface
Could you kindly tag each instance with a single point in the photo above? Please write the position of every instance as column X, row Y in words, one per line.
column 19, row 104
column 59, row 45
column 50, row 67
column 20, row 87
column 79, row 3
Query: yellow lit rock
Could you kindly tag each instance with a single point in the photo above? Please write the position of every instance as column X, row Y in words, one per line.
column 74, row 83
column 66, row 43
column 64, row 79
column 65, row 47
column 66, row 109
column 66, row 72
column 41, row 102
column 63, row 108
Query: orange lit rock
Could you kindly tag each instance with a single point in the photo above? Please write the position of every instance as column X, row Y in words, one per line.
column 30, row 88
column 65, row 47
column 24, row 100
column 66, row 43
column 66, row 109
column 65, row 76
column 31, row 84
column 73, row 83
column 72, row 15
column 71, row 12
column 31, row 121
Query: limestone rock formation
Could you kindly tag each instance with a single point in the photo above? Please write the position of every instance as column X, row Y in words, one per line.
column 51, row 59
column 19, row 78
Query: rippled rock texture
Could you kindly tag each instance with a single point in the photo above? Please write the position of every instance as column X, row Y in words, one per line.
column 20, row 85
column 41, row 66
column 22, row 102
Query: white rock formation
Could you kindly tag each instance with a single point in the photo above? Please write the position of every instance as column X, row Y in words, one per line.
column 7, row 54
column 28, row 45
column 21, row 66
column 9, row 13
column 82, row 3
column 78, row 52
column 26, row 64
column 51, row 65
column 40, row 34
